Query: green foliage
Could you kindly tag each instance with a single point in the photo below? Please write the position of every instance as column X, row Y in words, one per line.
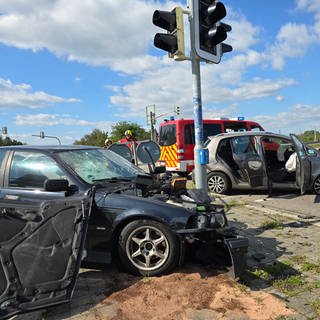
column 310, row 135
column 9, row 142
column 118, row 130
column 274, row 224
column 96, row 138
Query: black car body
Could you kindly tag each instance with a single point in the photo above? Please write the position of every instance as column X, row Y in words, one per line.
column 150, row 237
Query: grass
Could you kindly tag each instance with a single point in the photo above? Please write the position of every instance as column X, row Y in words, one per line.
column 268, row 273
column 290, row 286
column 271, row 224
column 234, row 203
column 305, row 265
column 316, row 306
column 311, row 267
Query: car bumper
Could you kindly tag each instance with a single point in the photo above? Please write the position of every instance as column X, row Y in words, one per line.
column 220, row 250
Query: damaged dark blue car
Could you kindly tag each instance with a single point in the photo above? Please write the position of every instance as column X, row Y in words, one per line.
column 65, row 205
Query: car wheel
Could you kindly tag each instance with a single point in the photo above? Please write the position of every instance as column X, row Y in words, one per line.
column 148, row 248
column 316, row 185
column 218, row 183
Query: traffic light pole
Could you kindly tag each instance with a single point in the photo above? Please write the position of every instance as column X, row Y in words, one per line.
column 199, row 170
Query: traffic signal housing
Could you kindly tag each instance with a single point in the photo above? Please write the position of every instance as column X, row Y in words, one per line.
column 177, row 110
column 210, row 32
column 173, row 40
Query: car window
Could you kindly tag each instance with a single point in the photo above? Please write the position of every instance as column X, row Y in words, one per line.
column 242, row 145
column 31, row 169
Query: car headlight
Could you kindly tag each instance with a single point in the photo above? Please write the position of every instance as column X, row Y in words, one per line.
column 218, row 220
column 201, row 221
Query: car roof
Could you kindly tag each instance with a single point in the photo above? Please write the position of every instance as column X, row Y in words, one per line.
column 248, row 133
column 48, row 148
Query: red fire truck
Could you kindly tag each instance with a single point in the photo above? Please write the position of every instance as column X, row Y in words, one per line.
column 177, row 139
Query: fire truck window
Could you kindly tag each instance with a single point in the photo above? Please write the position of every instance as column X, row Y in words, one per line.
column 234, row 126
column 189, row 134
column 209, row 129
column 167, row 135
column 254, row 127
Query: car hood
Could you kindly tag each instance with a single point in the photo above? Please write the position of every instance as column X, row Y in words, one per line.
column 130, row 205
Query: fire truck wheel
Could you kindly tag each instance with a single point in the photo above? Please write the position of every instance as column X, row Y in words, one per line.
column 219, row 183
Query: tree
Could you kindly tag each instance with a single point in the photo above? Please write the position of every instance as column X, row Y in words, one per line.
column 96, row 138
column 9, row 142
column 309, row 136
column 118, row 130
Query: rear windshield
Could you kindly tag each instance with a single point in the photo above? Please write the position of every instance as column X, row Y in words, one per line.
column 167, row 136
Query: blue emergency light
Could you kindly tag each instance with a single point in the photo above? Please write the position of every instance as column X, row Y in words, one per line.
column 240, row 118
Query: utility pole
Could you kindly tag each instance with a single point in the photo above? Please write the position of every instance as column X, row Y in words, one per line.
column 199, row 170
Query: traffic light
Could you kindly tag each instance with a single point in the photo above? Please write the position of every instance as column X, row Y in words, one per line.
column 4, row 130
column 41, row 135
column 177, row 110
column 210, row 32
column 173, row 40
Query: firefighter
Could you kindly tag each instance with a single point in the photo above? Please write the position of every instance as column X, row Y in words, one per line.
column 107, row 143
column 130, row 141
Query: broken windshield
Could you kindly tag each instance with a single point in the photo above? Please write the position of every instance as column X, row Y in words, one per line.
column 93, row 165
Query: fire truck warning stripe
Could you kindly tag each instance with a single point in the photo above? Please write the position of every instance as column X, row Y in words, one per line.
column 170, row 155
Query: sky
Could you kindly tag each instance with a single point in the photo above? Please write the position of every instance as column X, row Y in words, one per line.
column 69, row 66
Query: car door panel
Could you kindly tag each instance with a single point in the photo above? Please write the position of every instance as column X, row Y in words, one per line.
column 41, row 248
column 303, row 170
column 248, row 160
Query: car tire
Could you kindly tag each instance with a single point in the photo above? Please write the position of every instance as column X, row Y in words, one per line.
column 219, row 183
column 148, row 248
column 316, row 185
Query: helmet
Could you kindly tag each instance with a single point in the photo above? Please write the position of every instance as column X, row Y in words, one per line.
column 107, row 141
column 128, row 133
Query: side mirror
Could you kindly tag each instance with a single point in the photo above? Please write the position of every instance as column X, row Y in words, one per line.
column 159, row 169
column 55, row 185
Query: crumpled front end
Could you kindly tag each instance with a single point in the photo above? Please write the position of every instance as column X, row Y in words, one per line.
column 209, row 240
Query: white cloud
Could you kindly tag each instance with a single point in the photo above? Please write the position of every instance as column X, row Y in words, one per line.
column 297, row 119
column 244, row 34
column 97, row 32
column 20, row 96
column 48, row 120
column 308, row 5
column 292, row 41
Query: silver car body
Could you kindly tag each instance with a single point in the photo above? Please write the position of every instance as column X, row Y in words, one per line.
column 251, row 160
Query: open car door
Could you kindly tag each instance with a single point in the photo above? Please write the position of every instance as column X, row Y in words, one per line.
column 41, row 248
column 248, row 160
column 303, row 170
